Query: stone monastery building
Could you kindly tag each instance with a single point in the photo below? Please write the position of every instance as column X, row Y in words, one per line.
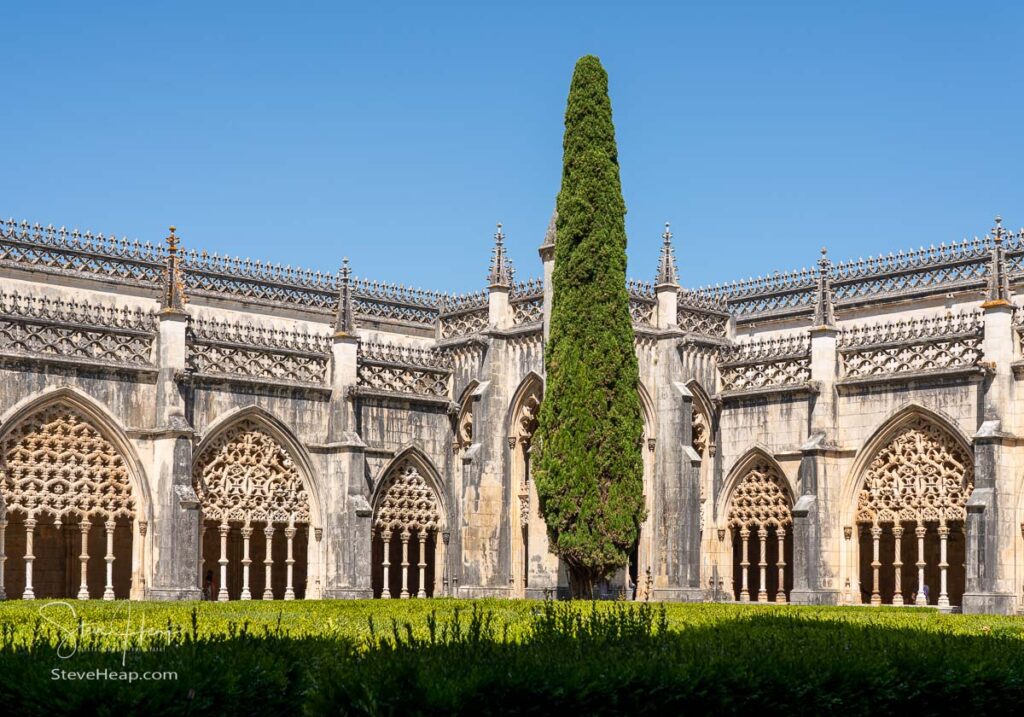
column 172, row 420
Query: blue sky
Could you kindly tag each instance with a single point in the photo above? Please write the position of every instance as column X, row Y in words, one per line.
column 398, row 134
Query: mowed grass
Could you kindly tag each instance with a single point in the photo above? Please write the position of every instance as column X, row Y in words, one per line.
column 504, row 657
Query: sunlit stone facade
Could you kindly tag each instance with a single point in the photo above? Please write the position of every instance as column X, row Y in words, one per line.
column 175, row 424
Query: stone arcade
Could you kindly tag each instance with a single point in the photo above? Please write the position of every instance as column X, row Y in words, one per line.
column 172, row 420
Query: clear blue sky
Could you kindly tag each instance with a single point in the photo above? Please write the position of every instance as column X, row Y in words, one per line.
column 398, row 134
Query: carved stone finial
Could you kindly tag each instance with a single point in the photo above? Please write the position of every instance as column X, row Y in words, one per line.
column 667, row 274
column 172, row 298
column 345, row 318
column 824, row 311
column 998, row 280
column 501, row 273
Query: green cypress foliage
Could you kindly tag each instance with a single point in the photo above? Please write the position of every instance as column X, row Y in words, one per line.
column 589, row 467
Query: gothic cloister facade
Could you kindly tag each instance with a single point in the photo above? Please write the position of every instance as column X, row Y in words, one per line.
column 172, row 420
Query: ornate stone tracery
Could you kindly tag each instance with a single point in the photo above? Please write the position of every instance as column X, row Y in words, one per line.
column 921, row 475
column 407, row 503
column 56, row 463
column 760, row 499
column 246, row 476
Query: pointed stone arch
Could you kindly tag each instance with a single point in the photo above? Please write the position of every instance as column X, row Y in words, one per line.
column 68, row 476
column 409, row 526
column 906, row 498
column 258, row 492
column 526, row 530
column 757, row 505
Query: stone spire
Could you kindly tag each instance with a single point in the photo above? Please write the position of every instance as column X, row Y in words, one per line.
column 667, row 274
column 998, row 281
column 501, row 266
column 547, row 249
column 824, row 313
column 172, row 298
column 345, row 318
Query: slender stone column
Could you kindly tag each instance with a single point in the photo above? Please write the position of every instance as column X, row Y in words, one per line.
column 222, row 594
column 897, row 565
column 108, row 590
column 405, row 564
column 943, row 565
column 289, row 590
column 780, row 596
column 202, row 559
column 268, row 560
column 3, row 555
column 385, row 536
column 83, row 557
column 422, row 592
column 246, row 561
column 919, row 531
column 762, row 592
column 30, row 531
column 876, row 534
column 745, row 563
column 143, row 528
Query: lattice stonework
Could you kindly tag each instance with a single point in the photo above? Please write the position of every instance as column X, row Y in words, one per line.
column 56, row 463
column 760, row 499
column 408, row 504
column 921, row 475
column 246, row 476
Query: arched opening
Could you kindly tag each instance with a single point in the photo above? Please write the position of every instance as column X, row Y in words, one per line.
column 523, row 499
column 255, row 516
column 911, row 510
column 68, row 510
column 639, row 577
column 407, row 517
column 759, row 520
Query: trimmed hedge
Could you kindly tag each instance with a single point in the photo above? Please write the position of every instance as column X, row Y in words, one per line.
column 451, row 657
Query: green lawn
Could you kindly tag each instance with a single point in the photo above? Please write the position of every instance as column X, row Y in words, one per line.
column 502, row 657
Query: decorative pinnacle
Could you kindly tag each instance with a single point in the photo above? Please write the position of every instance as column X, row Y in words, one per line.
column 824, row 311
column 667, row 274
column 172, row 242
column 997, row 231
column 345, row 319
column 172, row 298
column 998, row 279
column 501, row 272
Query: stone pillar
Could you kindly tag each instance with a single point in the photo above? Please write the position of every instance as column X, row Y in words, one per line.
column 175, row 509
column 989, row 530
column 385, row 593
column 405, row 564
column 897, row 565
column 246, row 561
column 920, row 531
column 780, row 595
column 289, row 589
column 422, row 565
column 500, row 285
column 222, row 594
column 876, row 535
column 108, row 590
column 268, row 560
column 762, row 592
column 666, row 284
column 745, row 563
column 30, row 530
column 943, row 565
column 83, row 557
column 346, row 531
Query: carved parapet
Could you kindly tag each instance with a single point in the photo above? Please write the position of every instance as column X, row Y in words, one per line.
column 912, row 346
column 766, row 363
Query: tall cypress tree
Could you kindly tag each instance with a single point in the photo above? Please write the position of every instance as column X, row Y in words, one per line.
column 589, row 467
